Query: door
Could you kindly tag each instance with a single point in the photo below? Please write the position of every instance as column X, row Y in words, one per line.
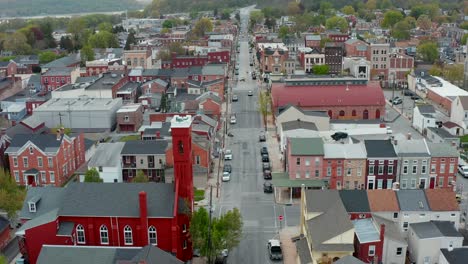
column 422, row 183
column 371, row 183
column 432, row 183
column 365, row 114
column 31, row 180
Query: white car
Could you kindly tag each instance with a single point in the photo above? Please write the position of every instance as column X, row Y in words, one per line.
column 233, row 120
column 228, row 154
column 226, row 176
column 463, row 170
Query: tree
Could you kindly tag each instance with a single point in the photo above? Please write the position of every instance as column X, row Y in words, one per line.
column 424, row 22
column 401, row 30
column 87, row 54
column 167, row 24
column 140, row 177
column 427, row 51
column 105, row 26
column 47, row 56
column 17, row 43
column 337, row 22
column 256, row 17
column 92, row 175
column 202, row 26
column 371, row 5
column 326, row 9
column 411, row 21
column 237, row 16
column 283, row 32
column 293, row 8
column 264, row 102
column 464, row 39
column 66, row 43
column 131, row 40
column 391, row 17
column 270, row 23
column 3, row 259
column 321, row 69
column 436, row 70
column 76, row 26
column 348, row 10
column 324, row 40
column 11, row 195
column 454, row 73
column 103, row 39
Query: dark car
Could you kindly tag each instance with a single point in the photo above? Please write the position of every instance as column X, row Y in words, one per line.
column 267, row 174
column 415, row 97
column 264, row 150
column 254, row 77
column 266, row 166
column 339, row 135
column 262, row 138
column 408, row 93
column 265, row 158
column 227, row 167
column 267, row 187
column 251, row 63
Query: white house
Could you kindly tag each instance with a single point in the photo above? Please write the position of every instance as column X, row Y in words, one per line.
column 427, row 238
column 106, row 160
column 423, row 118
column 291, row 113
column 357, row 66
column 459, row 111
column 395, row 245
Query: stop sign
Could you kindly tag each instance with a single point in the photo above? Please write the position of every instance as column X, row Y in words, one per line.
column 280, row 218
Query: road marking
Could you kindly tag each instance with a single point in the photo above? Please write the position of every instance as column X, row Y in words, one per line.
column 284, row 217
column 274, row 215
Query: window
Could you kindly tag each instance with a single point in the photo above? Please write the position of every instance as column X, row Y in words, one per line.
column 104, row 235
column 451, row 168
column 15, row 162
column 452, row 215
column 371, row 170
column 413, row 183
column 349, row 171
column 307, row 174
column 371, row 251
column 128, row 239
column 422, row 215
column 423, row 169
column 390, row 170
column 52, row 176
column 184, row 228
column 80, row 234
column 184, row 244
column 298, row 161
column 359, row 171
column 32, row 207
column 338, row 171
column 389, row 184
column 126, row 118
column 25, row 162
column 415, row 169
column 347, row 185
column 442, row 168
column 31, row 150
column 450, row 180
column 405, row 169
column 307, row 162
column 399, row 251
column 427, row 260
column 317, row 173
column 379, row 184
column 17, row 178
column 298, row 174
column 433, row 168
column 39, row 162
column 317, row 162
column 329, row 171
column 441, row 182
column 197, row 159
column 43, row 177
column 50, row 161
column 405, row 226
column 381, row 169
column 404, row 184
column 395, row 215
column 152, row 235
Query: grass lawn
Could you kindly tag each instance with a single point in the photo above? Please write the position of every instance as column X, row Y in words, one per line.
column 129, row 138
column 464, row 138
column 199, row 195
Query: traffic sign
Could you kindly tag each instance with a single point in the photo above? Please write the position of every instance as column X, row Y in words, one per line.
column 280, row 218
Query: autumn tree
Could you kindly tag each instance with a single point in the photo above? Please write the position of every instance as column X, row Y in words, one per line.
column 454, row 73
column 202, row 26
column 348, row 10
column 424, row 22
column 92, row 175
column 264, row 103
column 391, row 17
column 17, row 43
column 371, row 5
column 337, row 22
column 293, row 8
column 140, row 177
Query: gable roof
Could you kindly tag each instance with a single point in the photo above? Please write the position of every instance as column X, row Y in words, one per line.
column 209, row 95
column 320, row 200
column 45, row 142
column 348, row 260
column 412, row 200
column 144, row 147
column 441, row 200
column 434, row 229
column 303, row 251
column 298, row 124
column 426, row 109
column 456, row 255
column 306, row 146
column 380, row 149
column 107, row 155
column 355, row 201
column 383, row 201
column 464, row 102
column 392, row 229
column 50, row 199
column 152, row 254
column 442, row 150
column 304, row 112
column 64, row 61
column 412, row 148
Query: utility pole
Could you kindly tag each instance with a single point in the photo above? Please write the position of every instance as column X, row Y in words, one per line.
column 209, row 224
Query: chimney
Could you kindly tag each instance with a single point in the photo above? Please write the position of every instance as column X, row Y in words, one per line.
column 143, row 217
column 454, row 143
column 59, row 135
column 408, row 136
column 302, row 207
column 382, row 232
column 158, row 134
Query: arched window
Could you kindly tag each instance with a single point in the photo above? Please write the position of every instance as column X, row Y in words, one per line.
column 342, row 113
column 330, row 113
column 152, row 235
column 353, row 113
column 128, row 238
column 80, row 234
column 104, row 235
column 365, row 114
column 377, row 114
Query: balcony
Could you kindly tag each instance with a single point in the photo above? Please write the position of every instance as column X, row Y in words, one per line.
column 129, row 165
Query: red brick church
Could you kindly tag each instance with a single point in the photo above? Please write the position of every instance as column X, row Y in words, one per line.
column 115, row 214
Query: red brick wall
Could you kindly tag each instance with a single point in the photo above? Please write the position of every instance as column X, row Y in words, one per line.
column 54, row 82
column 4, row 237
column 445, row 174
column 442, row 101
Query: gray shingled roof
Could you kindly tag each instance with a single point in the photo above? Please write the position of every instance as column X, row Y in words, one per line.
column 306, row 146
column 456, row 255
column 320, row 200
column 447, row 228
column 412, row 148
column 412, row 200
column 151, row 254
column 106, row 155
column 380, row 149
column 426, row 109
column 348, row 260
column 442, row 150
column 144, row 147
column 303, row 251
column 45, row 142
column 355, row 201
column 50, row 199
column 298, row 124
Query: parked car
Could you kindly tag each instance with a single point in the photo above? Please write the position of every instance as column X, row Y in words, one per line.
column 415, row 97
column 264, row 150
column 274, row 249
column 267, row 187
column 226, row 176
column 458, row 197
column 228, row 154
column 227, row 167
column 408, row 93
column 250, row 93
column 267, row 175
column 233, row 119
column 266, row 166
column 396, row 101
column 463, row 170
column 242, row 79
column 265, row 158
column 235, row 98
column 262, row 138
column 339, row 135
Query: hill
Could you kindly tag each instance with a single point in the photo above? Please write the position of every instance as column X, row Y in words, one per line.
column 13, row 8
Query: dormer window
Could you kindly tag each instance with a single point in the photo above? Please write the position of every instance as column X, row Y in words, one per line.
column 32, row 207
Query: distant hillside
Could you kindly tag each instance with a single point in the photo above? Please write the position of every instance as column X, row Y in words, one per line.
column 10, row 8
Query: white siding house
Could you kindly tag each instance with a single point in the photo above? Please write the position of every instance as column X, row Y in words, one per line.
column 423, row 118
column 106, row 160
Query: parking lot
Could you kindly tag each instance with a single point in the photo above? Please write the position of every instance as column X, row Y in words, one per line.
column 407, row 105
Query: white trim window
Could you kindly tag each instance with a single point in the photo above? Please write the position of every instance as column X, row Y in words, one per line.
column 390, row 170
column 52, row 176
column 39, row 162
column 128, row 236
column 104, row 233
column 152, row 235
column 17, row 177
column 15, row 162
column 372, row 251
column 80, row 235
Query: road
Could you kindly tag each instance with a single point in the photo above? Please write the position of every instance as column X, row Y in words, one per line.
column 245, row 189
column 11, row 250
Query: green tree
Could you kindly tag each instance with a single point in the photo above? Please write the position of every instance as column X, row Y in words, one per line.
column 464, row 39
column 140, row 177
column 131, row 40
column 391, row 17
column 264, row 103
column 105, row 26
column 283, row 32
column 293, row 8
column 167, row 24
column 326, row 9
column 454, row 73
column 103, row 39
column 256, row 17
column 436, row 70
column 337, row 22
column 11, row 195
column 401, row 30
column 371, row 5
column 76, row 26
column 424, row 22
column 17, row 43
column 92, row 175
column 87, row 54
column 202, row 26
column 321, row 69
column 427, row 51
column 3, row 259
column 464, row 25
column 47, row 56
column 324, row 40
column 411, row 21
column 348, row 10
column 270, row 23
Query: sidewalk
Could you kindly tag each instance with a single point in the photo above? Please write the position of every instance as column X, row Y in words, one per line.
column 289, row 247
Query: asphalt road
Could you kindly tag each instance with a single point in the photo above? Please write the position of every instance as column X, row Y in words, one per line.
column 245, row 189
column 11, row 250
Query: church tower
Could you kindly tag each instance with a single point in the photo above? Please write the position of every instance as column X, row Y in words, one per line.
column 181, row 131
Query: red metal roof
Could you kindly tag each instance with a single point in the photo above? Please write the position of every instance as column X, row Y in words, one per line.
column 328, row 95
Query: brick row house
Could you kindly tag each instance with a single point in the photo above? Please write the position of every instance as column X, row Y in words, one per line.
column 58, row 77
column 148, row 156
column 382, row 164
column 45, row 159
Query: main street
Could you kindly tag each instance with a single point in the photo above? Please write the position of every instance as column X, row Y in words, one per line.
column 245, row 189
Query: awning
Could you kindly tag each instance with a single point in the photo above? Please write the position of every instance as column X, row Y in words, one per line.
column 281, row 179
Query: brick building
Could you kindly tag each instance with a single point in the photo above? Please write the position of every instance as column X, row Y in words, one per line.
column 129, row 117
column 45, row 159
column 334, row 53
column 382, row 164
column 272, row 57
column 137, row 58
column 444, row 164
column 58, row 77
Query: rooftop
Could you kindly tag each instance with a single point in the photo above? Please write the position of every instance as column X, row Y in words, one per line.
column 366, row 230
column 435, row 229
column 105, row 82
column 306, row 146
column 145, row 147
column 298, row 124
column 412, row 200
column 441, row 200
column 129, row 108
column 380, row 149
column 355, row 201
column 58, row 71
column 456, row 255
column 383, row 201
column 80, row 104
column 107, row 155
column 442, row 150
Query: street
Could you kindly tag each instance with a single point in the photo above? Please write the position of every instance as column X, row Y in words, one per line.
column 245, row 189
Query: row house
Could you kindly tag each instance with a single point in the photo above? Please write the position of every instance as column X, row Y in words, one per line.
column 98, row 67
column 312, row 41
column 414, row 157
column 220, row 40
column 378, row 55
column 399, row 67
column 8, row 68
column 334, row 53
column 26, row 63
column 271, row 57
column 144, row 155
column 145, row 75
column 356, row 48
column 185, row 61
column 443, row 164
column 382, row 164
column 58, row 77
column 137, row 58
column 45, row 159
column 309, row 57
column 129, row 117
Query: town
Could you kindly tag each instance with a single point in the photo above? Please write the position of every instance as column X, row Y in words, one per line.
column 247, row 132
